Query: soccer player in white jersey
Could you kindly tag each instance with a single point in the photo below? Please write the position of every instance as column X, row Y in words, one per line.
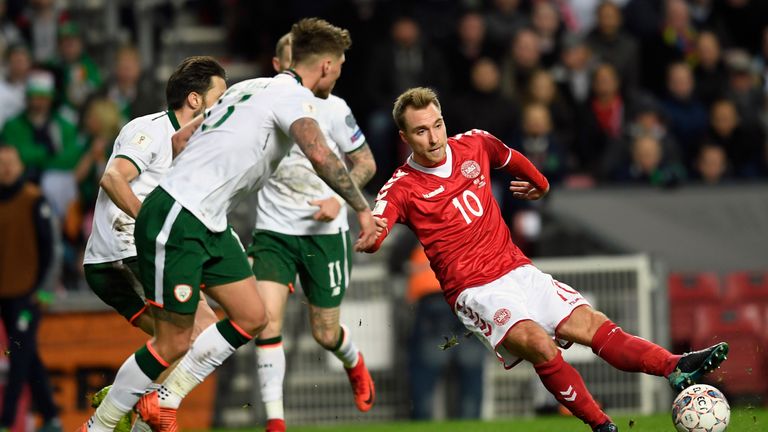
column 140, row 158
column 183, row 239
column 301, row 228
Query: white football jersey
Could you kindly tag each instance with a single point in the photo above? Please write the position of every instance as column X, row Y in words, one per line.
column 238, row 146
column 146, row 142
column 283, row 202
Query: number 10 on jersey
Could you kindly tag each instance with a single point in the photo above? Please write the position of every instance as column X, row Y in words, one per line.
column 471, row 203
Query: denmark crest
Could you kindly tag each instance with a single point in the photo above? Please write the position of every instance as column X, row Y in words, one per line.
column 470, row 169
column 502, row 316
column 182, row 292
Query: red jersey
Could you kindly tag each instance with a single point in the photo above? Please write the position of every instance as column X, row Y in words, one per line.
column 452, row 211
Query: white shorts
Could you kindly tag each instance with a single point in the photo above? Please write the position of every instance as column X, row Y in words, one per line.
column 525, row 293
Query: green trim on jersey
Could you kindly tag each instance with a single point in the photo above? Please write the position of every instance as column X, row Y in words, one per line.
column 358, row 147
column 173, row 119
column 322, row 262
column 129, row 160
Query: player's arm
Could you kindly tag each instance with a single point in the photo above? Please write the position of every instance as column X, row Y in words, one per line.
column 116, row 183
column 307, row 135
column 180, row 139
column 385, row 215
column 531, row 185
column 363, row 169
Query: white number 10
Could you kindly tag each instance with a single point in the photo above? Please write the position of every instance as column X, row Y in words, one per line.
column 467, row 197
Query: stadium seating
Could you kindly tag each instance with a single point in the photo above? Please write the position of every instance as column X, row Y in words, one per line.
column 742, row 375
column 687, row 293
column 747, row 287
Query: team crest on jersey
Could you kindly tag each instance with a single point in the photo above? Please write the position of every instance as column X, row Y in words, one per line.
column 182, row 292
column 470, row 169
column 502, row 316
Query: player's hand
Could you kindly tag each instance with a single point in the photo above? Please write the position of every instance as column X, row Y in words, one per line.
column 381, row 225
column 329, row 209
column 525, row 190
column 368, row 230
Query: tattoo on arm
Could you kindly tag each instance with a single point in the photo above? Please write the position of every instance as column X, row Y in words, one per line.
column 307, row 134
column 363, row 165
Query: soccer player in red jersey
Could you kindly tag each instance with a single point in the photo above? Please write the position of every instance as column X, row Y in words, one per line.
column 443, row 193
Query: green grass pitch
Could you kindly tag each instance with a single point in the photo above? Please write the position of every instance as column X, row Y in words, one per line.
column 742, row 420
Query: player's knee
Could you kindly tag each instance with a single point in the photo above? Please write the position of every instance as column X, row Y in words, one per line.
column 255, row 322
column 171, row 349
column 326, row 337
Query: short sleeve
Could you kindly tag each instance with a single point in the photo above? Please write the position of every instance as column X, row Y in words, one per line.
column 498, row 152
column 346, row 132
column 293, row 105
column 138, row 143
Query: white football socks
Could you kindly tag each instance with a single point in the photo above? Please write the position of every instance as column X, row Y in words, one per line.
column 130, row 384
column 270, row 367
column 347, row 352
column 207, row 352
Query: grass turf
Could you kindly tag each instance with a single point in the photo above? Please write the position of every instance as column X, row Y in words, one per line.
column 742, row 420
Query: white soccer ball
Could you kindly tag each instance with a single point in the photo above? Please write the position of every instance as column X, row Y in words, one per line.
column 701, row 408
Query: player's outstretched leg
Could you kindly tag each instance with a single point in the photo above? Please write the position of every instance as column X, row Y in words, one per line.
column 693, row 365
column 214, row 345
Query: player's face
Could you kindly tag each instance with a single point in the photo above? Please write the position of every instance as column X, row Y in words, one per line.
column 213, row 94
column 331, row 73
column 425, row 133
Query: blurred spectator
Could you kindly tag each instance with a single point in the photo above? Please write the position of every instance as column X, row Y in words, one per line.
column 701, row 12
column 685, row 115
column 675, row 42
column 27, row 263
column 78, row 75
column 503, row 21
column 100, row 126
column 482, row 106
column 44, row 139
column 739, row 23
column 545, row 22
column 39, row 24
column 468, row 47
column 649, row 166
column 610, row 44
column 539, row 144
column 728, row 132
column 134, row 92
column 462, row 364
column 711, row 165
column 710, row 72
column 543, row 90
column 574, row 73
column 521, row 61
column 581, row 13
column 9, row 33
column 13, row 84
column 761, row 60
column 605, row 119
column 405, row 60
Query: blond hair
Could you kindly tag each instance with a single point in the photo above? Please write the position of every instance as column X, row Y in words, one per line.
column 311, row 37
column 416, row 98
column 282, row 43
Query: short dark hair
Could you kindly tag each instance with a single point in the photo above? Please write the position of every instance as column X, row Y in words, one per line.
column 416, row 98
column 315, row 36
column 192, row 75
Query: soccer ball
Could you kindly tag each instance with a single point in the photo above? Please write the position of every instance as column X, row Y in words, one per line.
column 701, row 408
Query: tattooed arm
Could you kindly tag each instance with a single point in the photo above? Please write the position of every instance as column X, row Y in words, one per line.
column 307, row 135
column 363, row 165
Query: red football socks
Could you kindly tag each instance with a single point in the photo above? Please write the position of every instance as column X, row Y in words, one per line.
column 565, row 383
column 631, row 353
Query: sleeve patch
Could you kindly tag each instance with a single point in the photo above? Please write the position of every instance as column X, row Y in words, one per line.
column 356, row 135
column 378, row 208
column 141, row 139
column 350, row 120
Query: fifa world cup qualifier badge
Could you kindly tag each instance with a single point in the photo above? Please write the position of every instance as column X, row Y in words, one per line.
column 470, row 169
